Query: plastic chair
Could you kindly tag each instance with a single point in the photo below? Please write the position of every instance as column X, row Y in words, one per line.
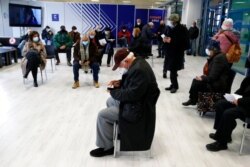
column 50, row 50
column 116, row 142
column 247, row 122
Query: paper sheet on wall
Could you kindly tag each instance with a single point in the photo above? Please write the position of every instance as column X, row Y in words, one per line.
column 232, row 97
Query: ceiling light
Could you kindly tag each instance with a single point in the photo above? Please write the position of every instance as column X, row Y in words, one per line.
column 126, row 1
column 159, row 3
column 95, row 0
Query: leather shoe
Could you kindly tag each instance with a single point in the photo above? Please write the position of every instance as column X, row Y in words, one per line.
column 69, row 64
column 213, row 136
column 169, row 88
column 173, row 90
column 216, row 146
column 189, row 102
column 100, row 152
column 35, row 84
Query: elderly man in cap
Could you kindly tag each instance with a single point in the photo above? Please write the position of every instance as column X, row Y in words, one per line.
column 132, row 104
column 176, row 43
column 63, row 43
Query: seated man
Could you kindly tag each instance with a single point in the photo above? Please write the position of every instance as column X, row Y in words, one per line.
column 226, row 114
column 132, row 103
column 63, row 43
column 124, row 37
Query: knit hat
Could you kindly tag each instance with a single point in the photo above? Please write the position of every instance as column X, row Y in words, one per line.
column 227, row 24
column 213, row 45
column 174, row 17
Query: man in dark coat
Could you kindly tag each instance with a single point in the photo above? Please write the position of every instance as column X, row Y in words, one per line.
column 139, row 24
column 193, row 35
column 76, row 37
column 148, row 35
column 161, row 30
column 175, row 46
column 226, row 114
column 132, row 104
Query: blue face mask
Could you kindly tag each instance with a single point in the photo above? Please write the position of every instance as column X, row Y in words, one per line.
column 85, row 42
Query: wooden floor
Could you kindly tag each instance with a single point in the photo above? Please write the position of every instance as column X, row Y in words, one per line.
column 55, row 126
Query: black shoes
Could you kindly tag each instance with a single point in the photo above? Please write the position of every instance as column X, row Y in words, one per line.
column 216, row 146
column 213, row 136
column 173, row 90
column 35, row 84
column 69, row 64
column 169, row 88
column 164, row 75
column 100, row 152
column 189, row 102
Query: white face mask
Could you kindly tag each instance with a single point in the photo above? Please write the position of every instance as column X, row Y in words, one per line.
column 123, row 30
column 75, row 30
column 138, row 23
column 85, row 43
column 91, row 36
column 207, row 52
column 106, row 32
column 122, row 70
column 35, row 39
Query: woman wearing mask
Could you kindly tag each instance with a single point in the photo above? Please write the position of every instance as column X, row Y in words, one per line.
column 216, row 78
column 34, row 54
column 89, row 58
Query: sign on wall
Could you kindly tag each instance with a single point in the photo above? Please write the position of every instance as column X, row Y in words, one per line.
column 55, row 17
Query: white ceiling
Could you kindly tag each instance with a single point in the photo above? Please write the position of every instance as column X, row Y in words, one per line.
column 137, row 3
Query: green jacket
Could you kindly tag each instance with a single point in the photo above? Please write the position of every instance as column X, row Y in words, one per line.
column 62, row 39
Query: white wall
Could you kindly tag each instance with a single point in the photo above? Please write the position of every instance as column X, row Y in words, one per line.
column 191, row 11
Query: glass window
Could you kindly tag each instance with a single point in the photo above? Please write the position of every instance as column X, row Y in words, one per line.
column 240, row 4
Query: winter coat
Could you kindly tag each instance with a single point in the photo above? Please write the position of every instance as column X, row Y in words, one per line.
column 218, row 73
column 37, row 46
column 161, row 30
column 225, row 43
column 62, row 38
column 138, row 96
column 244, row 90
column 125, row 34
column 91, row 55
column 75, row 36
column 147, row 34
column 193, row 32
column 46, row 35
column 175, row 49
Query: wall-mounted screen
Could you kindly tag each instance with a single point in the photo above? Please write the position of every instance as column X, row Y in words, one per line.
column 25, row 16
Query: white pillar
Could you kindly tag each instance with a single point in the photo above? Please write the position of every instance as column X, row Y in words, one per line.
column 191, row 11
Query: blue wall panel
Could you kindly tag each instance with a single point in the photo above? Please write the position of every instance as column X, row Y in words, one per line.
column 156, row 16
column 126, row 16
column 142, row 14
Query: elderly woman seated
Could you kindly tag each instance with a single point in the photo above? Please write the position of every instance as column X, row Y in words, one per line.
column 217, row 74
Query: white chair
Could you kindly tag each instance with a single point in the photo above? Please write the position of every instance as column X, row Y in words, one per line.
column 247, row 122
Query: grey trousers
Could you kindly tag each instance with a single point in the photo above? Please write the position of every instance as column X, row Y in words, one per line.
column 105, row 123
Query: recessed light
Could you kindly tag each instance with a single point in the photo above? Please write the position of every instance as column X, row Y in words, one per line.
column 95, row 0
column 126, row 1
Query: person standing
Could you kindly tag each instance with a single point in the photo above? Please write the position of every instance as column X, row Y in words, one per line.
column 148, row 35
column 193, row 35
column 139, row 24
column 161, row 30
column 176, row 45
column 63, row 43
column 75, row 36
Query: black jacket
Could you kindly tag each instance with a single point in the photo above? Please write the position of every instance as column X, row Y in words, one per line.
column 244, row 90
column 161, row 30
column 193, row 32
column 138, row 96
column 147, row 34
column 218, row 73
column 175, row 49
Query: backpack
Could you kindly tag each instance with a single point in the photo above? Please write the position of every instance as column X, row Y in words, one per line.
column 234, row 52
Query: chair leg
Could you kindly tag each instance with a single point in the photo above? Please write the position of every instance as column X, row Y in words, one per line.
column 243, row 138
column 41, row 74
column 51, row 65
column 115, row 136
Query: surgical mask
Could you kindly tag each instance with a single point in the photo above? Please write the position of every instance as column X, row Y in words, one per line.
column 35, row 39
column 122, row 70
column 123, row 30
column 207, row 52
column 138, row 23
column 85, row 42
column 91, row 36
column 75, row 30
column 47, row 29
column 171, row 24
column 106, row 32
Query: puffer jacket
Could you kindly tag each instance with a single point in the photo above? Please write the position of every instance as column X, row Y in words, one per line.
column 222, row 36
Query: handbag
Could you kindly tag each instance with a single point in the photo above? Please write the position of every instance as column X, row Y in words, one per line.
column 207, row 100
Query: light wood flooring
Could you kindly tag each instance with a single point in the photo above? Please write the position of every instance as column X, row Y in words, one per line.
column 55, row 126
